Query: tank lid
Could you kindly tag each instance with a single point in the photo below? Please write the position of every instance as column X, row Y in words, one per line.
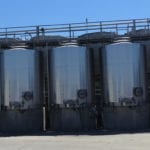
column 19, row 47
column 69, row 43
column 140, row 32
column 122, row 39
column 97, row 35
column 50, row 38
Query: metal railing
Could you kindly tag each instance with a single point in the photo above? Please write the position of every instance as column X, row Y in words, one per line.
column 73, row 30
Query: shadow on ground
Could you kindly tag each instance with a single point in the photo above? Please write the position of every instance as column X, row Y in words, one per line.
column 73, row 133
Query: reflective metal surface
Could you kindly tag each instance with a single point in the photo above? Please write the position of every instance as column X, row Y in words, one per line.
column 123, row 65
column 70, row 75
column 20, row 79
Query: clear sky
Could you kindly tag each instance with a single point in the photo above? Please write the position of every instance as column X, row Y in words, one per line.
column 33, row 12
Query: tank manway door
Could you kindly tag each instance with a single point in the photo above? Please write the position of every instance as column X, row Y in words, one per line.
column 82, row 93
column 27, row 95
column 138, row 91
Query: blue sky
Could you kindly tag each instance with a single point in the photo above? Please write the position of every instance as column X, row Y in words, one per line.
column 33, row 12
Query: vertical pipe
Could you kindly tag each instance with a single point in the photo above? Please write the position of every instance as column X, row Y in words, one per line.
column 128, row 26
column 148, row 23
column 70, row 31
column 47, row 63
column 86, row 21
column 6, row 34
column 116, row 29
column 100, row 24
column 44, row 119
column 14, row 35
column 134, row 26
column 37, row 32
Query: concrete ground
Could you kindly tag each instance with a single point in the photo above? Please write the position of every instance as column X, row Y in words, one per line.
column 119, row 141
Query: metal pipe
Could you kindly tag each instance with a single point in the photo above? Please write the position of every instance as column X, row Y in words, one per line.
column 37, row 31
column 70, row 31
column 44, row 119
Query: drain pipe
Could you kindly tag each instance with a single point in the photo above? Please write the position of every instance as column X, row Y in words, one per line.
column 44, row 108
column 44, row 119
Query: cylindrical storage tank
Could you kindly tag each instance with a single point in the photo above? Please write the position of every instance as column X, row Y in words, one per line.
column 70, row 91
column 124, row 73
column 21, row 90
column 124, row 87
column 147, row 49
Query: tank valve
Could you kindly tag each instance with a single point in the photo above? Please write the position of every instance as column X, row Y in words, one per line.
column 27, row 95
column 138, row 91
column 82, row 93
